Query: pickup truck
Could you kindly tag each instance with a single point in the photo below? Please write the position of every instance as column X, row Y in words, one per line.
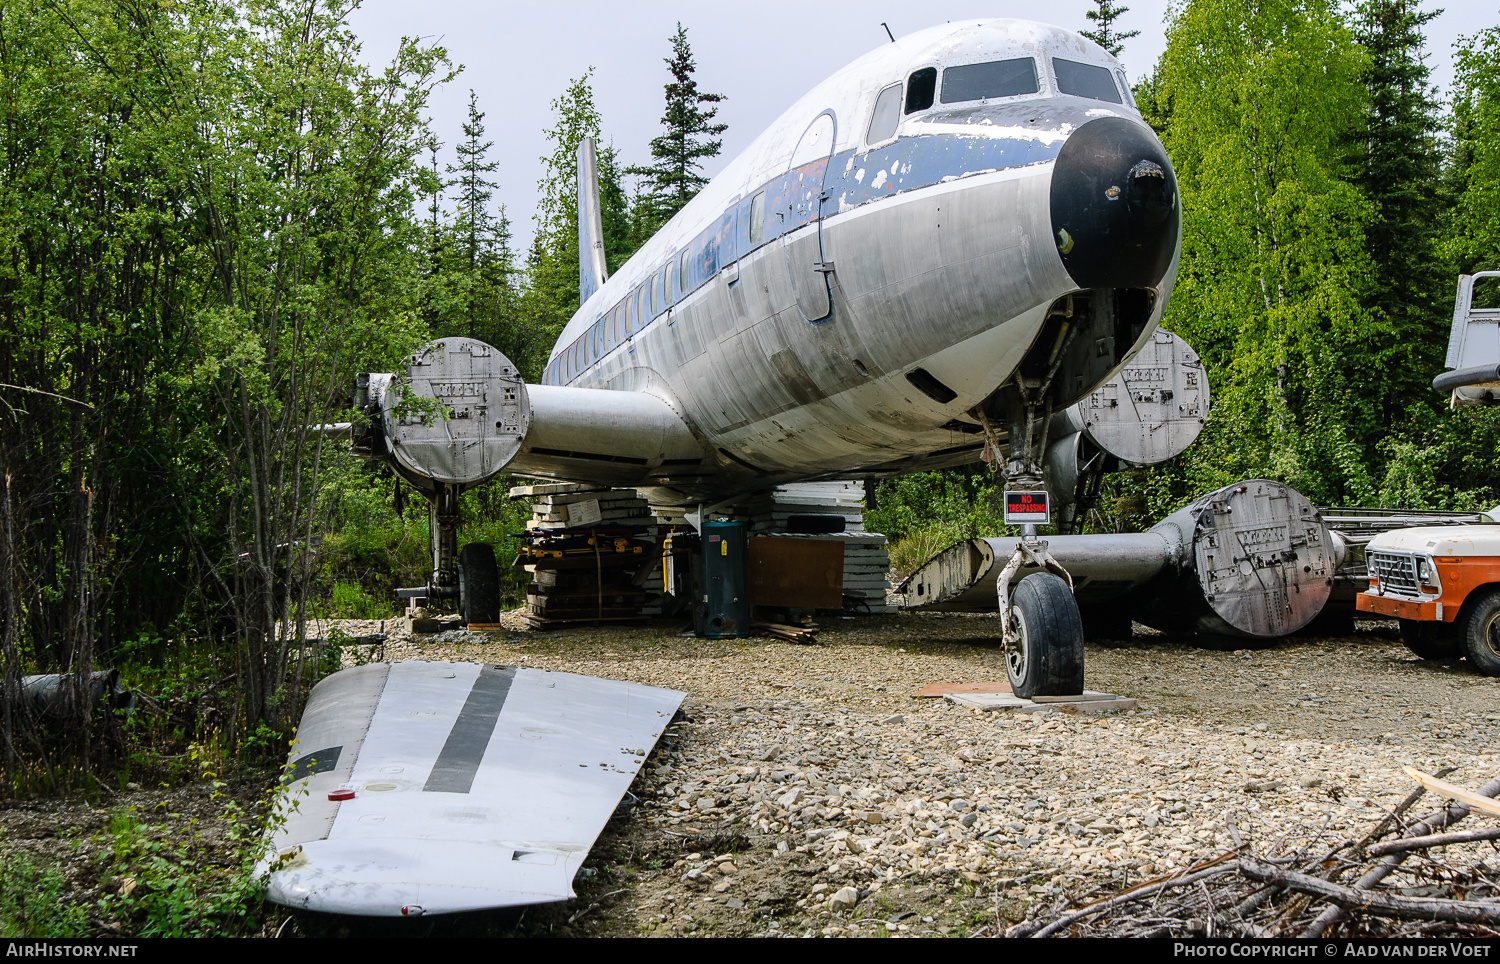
column 1442, row 583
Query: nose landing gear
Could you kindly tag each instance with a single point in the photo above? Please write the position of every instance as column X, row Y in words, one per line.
column 1042, row 630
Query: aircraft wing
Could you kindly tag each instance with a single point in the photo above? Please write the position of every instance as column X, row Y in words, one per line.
column 472, row 786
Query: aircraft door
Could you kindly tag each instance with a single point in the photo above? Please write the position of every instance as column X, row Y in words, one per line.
column 801, row 203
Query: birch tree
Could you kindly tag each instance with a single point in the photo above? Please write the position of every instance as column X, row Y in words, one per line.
column 1262, row 101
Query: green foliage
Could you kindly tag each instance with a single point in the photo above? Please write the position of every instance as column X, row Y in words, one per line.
column 1399, row 172
column 1261, row 103
column 927, row 512
column 31, row 901
column 1474, row 231
column 167, row 887
column 207, row 228
column 1443, row 460
column 156, row 882
column 691, row 138
column 306, row 205
column 351, row 602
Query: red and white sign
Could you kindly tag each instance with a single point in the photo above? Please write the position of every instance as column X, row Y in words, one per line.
column 1026, row 508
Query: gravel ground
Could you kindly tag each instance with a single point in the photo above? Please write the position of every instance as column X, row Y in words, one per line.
column 807, row 791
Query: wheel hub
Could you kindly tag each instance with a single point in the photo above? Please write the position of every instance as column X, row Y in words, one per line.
column 1014, row 642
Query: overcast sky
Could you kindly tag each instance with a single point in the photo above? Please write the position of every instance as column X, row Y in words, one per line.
column 762, row 56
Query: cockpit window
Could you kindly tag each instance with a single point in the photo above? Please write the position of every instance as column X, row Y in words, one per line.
column 1125, row 86
column 998, row 78
column 1085, row 80
column 920, row 87
column 887, row 113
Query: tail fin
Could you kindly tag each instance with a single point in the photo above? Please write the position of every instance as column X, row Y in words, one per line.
column 591, row 273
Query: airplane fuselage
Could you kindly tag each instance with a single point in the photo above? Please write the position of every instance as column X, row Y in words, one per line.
column 947, row 242
column 783, row 311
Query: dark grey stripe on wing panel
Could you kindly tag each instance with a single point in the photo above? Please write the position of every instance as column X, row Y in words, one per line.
column 319, row 761
column 459, row 760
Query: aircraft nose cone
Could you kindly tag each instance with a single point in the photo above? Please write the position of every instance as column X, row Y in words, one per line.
column 1114, row 205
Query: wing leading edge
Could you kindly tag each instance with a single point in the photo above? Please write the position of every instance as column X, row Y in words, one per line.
column 474, row 786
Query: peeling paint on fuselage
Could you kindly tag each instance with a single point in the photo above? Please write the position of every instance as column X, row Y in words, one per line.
column 918, row 276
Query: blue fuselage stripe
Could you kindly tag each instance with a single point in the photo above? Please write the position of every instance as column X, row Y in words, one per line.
column 906, row 164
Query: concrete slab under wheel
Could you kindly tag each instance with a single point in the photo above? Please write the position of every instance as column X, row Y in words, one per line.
column 1085, row 702
column 943, row 689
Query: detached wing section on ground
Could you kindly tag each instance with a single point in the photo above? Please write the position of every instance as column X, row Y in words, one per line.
column 473, row 786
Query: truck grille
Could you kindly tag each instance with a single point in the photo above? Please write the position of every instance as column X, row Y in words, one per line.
column 1394, row 573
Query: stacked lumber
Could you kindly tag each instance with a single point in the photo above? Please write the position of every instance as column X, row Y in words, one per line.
column 867, row 561
column 796, row 634
column 572, row 505
column 590, row 552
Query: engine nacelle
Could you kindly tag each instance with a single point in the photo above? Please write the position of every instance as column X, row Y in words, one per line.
column 1151, row 411
column 1252, row 559
column 456, row 416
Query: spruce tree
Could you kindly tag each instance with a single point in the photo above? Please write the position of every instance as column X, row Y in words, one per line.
column 691, row 138
column 476, row 229
column 470, row 290
column 1399, row 168
column 1104, row 33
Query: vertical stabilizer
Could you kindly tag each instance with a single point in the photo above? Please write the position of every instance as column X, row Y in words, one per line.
column 591, row 274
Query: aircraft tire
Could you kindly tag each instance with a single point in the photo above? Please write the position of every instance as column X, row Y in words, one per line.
column 1431, row 640
column 1050, row 660
column 478, row 584
column 1483, row 634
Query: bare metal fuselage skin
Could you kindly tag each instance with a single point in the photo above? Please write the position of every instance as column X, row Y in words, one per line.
column 787, row 351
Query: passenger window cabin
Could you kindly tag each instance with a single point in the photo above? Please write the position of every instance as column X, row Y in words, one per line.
column 743, row 227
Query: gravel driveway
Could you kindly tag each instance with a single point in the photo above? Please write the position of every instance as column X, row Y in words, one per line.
column 807, row 791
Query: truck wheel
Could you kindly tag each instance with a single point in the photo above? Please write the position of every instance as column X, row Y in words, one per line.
column 1431, row 640
column 1050, row 657
column 1483, row 636
column 478, row 584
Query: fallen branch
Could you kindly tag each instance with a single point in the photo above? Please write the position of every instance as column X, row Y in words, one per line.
column 1191, row 875
column 1433, row 840
column 1380, row 902
column 1395, row 815
column 1440, row 818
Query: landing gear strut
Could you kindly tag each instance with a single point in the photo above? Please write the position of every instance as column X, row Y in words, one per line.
column 1042, row 634
column 469, row 577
